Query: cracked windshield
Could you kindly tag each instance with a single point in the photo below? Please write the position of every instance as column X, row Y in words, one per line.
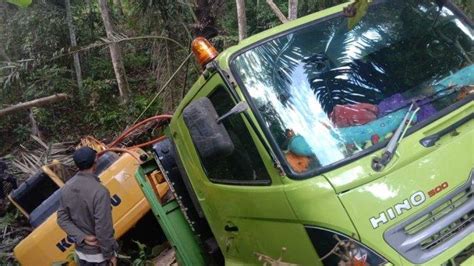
column 329, row 90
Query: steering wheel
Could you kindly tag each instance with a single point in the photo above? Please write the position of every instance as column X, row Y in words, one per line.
column 319, row 62
column 435, row 49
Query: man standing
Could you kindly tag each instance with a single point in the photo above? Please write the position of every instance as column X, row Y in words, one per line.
column 85, row 213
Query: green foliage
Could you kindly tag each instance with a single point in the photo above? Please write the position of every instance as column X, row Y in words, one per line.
column 8, row 219
column 13, row 128
column 35, row 60
column 137, row 61
column 36, row 32
column 142, row 255
column 100, row 67
column 260, row 17
column 22, row 132
column 102, row 108
column 40, row 35
column 467, row 6
column 46, row 80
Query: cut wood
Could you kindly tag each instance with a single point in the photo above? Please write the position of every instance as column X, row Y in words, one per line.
column 34, row 103
column 277, row 11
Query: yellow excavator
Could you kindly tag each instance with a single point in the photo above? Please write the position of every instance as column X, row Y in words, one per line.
column 38, row 199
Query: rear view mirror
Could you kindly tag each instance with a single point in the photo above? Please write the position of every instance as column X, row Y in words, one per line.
column 210, row 137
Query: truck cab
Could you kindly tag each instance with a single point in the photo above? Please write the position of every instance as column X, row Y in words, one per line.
column 356, row 145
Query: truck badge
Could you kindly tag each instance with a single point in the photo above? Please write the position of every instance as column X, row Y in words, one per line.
column 416, row 199
column 391, row 213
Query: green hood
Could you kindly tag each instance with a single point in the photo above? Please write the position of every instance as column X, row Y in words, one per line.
column 413, row 190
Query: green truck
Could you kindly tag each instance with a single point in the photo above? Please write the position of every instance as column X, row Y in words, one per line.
column 341, row 138
column 345, row 136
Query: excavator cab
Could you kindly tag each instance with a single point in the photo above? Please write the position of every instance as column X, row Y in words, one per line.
column 38, row 199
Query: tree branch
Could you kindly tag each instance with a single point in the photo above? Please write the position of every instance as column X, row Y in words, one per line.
column 277, row 11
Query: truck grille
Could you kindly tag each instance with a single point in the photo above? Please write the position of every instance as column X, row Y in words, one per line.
column 437, row 228
column 438, row 213
column 461, row 257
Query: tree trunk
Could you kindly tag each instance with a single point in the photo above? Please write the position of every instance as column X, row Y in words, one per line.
column 206, row 22
column 118, row 7
column 292, row 9
column 34, row 103
column 90, row 18
column 34, row 125
column 241, row 19
column 277, row 11
column 72, row 37
column 115, row 54
column 3, row 21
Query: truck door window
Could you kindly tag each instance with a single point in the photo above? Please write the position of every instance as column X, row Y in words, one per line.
column 244, row 165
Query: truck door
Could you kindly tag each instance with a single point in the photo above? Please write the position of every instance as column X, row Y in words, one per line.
column 241, row 195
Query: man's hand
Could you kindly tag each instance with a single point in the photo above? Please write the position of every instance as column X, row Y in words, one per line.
column 113, row 261
column 90, row 240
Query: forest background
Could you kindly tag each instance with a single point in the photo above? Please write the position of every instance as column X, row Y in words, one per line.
column 62, row 46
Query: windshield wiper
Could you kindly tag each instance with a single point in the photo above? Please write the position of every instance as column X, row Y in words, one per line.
column 379, row 163
column 432, row 139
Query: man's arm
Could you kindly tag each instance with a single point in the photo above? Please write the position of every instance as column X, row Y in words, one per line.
column 65, row 222
column 104, row 230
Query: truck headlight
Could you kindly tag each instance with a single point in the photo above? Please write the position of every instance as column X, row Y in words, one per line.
column 337, row 249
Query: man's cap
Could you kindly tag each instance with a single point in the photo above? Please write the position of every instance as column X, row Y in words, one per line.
column 84, row 158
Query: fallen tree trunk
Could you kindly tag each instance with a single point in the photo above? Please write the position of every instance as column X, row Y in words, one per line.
column 34, row 103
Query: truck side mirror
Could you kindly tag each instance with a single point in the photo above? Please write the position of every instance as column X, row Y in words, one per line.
column 210, row 137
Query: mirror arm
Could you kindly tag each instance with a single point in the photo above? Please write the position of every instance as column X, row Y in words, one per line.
column 237, row 109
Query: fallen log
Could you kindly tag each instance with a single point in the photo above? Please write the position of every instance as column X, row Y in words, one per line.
column 34, row 103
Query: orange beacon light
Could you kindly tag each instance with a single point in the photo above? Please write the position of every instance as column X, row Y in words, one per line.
column 204, row 51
